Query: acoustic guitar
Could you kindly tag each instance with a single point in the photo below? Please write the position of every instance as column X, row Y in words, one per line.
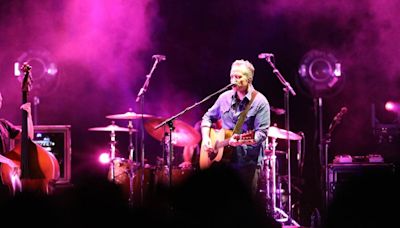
column 220, row 144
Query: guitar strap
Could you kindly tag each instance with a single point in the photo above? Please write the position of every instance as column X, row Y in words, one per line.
column 239, row 124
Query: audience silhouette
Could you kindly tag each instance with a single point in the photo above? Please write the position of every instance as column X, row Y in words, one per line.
column 215, row 197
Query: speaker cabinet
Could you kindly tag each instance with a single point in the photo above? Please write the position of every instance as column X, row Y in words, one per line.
column 341, row 174
column 57, row 140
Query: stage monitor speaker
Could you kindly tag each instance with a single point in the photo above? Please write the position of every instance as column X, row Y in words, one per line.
column 57, row 140
column 342, row 174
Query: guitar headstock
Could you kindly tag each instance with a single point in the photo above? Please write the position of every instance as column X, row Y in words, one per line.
column 27, row 80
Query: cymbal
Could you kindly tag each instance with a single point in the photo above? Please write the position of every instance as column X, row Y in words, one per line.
column 183, row 134
column 111, row 127
column 128, row 116
column 275, row 132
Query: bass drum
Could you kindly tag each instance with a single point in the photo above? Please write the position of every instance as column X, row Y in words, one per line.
column 179, row 175
column 128, row 174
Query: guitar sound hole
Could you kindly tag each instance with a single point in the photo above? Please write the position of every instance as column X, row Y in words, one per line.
column 212, row 155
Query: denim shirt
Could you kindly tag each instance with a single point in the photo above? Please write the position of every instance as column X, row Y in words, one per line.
column 228, row 109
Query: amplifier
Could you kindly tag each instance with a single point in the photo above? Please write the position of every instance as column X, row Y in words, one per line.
column 57, row 140
column 340, row 174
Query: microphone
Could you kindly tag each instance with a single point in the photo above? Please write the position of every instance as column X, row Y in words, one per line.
column 159, row 57
column 339, row 116
column 265, row 55
column 234, row 82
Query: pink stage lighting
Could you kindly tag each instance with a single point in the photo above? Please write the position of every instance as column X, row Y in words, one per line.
column 392, row 106
column 104, row 158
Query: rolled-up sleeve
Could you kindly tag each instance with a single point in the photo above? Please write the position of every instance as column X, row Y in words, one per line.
column 212, row 114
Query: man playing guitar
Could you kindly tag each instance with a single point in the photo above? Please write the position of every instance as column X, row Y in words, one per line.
column 242, row 146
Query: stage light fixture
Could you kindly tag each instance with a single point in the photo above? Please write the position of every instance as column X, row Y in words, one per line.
column 44, row 70
column 392, row 106
column 320, row 74
column 104, row 158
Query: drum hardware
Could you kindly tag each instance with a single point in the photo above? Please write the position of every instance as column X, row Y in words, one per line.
column 274, row 190
column 131, row 148
column 177, row 133
column 130, row 116
column 132, row 165
column 182, row 135
column 112, row 128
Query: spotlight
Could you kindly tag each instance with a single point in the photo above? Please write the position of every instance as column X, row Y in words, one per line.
column 320, row 74
column 392, row 106
column 104, row 158
column 44, row 70
column 41, row 62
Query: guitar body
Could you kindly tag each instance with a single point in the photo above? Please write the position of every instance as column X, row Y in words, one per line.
column 219, row 141
column 220, row 144
column 9, row 176
column 43, row 168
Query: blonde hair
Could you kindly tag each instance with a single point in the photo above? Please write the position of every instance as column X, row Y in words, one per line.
column 248, row 65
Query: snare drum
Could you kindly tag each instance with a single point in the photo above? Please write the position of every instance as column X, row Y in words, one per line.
column 122, row 169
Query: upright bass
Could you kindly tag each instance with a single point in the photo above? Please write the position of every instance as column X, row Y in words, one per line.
column 38, row 167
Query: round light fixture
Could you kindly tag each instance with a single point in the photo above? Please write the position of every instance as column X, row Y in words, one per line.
column 320, row 74
column 44, row 70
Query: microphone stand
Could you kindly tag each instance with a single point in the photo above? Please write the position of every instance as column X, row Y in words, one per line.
column 326, row 141
column 170, row 124
column 288, row 88
column 140, row 97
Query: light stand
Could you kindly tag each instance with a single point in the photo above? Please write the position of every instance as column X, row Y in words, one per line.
column 322, row 157
column 140, row 97
column 288, row 88
column 170, row 124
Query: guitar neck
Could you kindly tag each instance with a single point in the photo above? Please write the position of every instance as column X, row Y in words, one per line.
column 245, row 139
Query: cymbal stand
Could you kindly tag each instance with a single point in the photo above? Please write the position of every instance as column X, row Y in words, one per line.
column 273, row 168
column 278, row 213
column 171, row 151
column 112, row 154
column 131, row 148
column 133, row 167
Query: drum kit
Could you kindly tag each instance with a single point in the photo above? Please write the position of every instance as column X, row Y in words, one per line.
column 123, row 171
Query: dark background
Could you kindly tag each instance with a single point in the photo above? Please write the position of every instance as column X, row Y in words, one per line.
column 103, row 52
